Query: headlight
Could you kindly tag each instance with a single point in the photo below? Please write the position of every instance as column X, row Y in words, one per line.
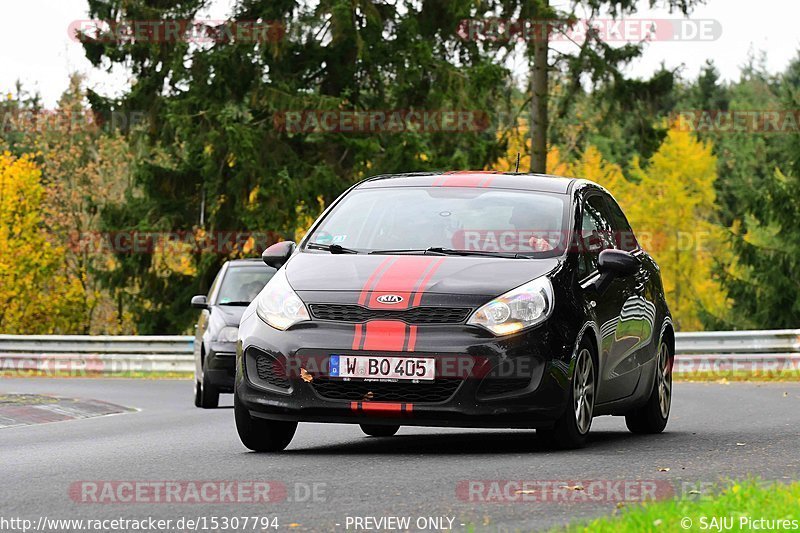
column 278, row 305
column 228, row 334
column 517, row 309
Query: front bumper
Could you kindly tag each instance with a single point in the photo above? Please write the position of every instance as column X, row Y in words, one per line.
column 221, row 365
column 518, row 381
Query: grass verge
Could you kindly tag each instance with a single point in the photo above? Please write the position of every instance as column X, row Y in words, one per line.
column 727, row 377
column 744, row 506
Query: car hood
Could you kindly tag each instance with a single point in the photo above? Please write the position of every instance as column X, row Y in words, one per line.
column 228, row 315
column 411, row 274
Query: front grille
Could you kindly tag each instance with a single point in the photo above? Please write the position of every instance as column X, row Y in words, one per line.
column 495, row 386
column 437, row 391
column 415, row 315
column 271, row 371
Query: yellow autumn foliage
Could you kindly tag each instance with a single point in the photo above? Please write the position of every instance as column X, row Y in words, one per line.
column 36, row 294
column 670, row 203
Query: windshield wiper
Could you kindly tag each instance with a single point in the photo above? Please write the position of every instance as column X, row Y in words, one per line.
column 438, row 250
column 332, row 248
column 241, row 303
column 410, row 251
column 451, row 251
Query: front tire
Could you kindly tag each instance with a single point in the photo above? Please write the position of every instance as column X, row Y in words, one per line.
column 571, row 429
column 653, row 416
column 375, row 430
column 261, row 435
column 209, row 394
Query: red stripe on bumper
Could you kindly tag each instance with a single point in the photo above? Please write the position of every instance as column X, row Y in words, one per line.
column 357, row 337
column 381, row 407
column 385, row 335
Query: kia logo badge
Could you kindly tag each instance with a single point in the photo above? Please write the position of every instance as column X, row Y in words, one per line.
column 390, row 299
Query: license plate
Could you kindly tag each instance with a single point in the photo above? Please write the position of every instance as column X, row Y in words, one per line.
column 379, row 367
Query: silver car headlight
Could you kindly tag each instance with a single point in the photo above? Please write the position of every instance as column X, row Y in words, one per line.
column 278, row 305
column 518, row 309
column 228, row 334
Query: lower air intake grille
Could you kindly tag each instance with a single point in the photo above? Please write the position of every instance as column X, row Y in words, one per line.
column 495, row 386
column 438, row 391
column 271, row 371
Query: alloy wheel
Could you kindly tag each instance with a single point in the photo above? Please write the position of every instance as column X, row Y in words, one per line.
column 664, row 378
column 583, row 391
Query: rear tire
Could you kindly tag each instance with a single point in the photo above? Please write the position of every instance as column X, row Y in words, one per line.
column 653, row 416
column 375, row 430
column 259, row 434
column 198, row 393
column 573, row 426
column 209, row 394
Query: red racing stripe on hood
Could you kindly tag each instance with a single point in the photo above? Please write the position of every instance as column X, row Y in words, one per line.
column 401, row 278
column 407, row 277
column 373, row 278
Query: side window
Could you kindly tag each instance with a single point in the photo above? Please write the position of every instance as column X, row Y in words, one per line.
column 624, row 239
column 596, row 235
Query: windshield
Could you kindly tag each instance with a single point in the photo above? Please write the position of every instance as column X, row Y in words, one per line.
column 242, row 284
column 418, row 218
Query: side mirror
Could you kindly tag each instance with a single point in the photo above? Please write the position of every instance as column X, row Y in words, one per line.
column 199, row 301
column 618, row 263
column 277, row 254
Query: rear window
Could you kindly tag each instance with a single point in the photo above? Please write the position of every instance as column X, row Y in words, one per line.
column 412, row 218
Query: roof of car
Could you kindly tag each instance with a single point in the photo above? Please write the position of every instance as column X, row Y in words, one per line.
column 482, row 179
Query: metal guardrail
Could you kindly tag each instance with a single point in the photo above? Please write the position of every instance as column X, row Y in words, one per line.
column 762, row 342
column 767, row 352
column 721, row 353
column 80, row 354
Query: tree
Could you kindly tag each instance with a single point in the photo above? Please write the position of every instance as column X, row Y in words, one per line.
column 215, row 110
column 85, row 164
column 36, row 295
column 671, row 206
column 595, row 61
column 762, row 189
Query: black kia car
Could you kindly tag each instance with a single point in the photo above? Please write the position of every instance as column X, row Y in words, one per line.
column 470, row 299
column 236, row 285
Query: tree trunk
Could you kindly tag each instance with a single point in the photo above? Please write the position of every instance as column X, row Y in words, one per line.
column 539, row 91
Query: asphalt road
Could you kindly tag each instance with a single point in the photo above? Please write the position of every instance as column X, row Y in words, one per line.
column 716, row 431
